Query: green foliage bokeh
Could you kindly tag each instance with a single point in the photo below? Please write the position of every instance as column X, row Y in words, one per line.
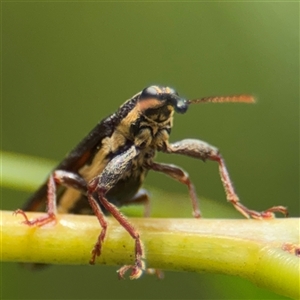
column 66, row 65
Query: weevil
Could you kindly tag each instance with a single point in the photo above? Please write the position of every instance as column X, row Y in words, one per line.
column 107, row 168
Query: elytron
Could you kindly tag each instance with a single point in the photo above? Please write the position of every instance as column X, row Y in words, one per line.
column 107, row 168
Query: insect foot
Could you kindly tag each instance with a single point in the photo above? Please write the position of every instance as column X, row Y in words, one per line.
column 137, row 270
column 51, row 210
column 41, row 221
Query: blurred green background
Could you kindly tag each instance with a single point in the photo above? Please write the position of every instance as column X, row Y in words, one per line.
column 66, row 65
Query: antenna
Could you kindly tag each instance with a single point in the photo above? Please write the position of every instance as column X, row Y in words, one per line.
column 224, row 99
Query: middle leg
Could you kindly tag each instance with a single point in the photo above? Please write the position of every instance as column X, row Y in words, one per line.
column 181, row 176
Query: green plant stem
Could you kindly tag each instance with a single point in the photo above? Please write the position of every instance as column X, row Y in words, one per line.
column 248, row 248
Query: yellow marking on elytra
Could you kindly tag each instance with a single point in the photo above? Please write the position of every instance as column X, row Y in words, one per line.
column 68, row 200
column 99, row 162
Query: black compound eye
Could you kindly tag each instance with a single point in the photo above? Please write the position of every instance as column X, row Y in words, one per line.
column 150, row 91
column 181, row 105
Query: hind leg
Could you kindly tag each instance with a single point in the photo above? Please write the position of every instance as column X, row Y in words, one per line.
column 58, row 177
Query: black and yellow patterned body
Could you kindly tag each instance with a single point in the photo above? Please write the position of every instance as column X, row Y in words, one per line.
column 137, row 123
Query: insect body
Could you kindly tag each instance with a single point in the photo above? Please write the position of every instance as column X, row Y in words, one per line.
column 107, row 169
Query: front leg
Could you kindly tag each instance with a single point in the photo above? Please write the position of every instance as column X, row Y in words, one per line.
column 97, row 189
column 202, row 150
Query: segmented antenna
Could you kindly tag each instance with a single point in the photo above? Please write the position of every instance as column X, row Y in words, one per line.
column 223, row 99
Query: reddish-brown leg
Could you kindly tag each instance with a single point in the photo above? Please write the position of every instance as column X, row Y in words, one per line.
column 51, row 207
column 201, row 150
column 233, row 197
column 139, row 265
column 142, row 197
column 99, row 186
column 180, row 175
column 58, row 177
column 103, row 223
